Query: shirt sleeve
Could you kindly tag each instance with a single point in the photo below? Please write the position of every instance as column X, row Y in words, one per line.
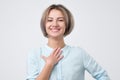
column 94, row 68
column 32, row 65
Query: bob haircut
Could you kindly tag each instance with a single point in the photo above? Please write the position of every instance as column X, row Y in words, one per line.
column 69, row 21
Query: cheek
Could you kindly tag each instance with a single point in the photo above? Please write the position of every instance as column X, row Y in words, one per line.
column 47, row 25
column 64, row 26
column 63, row 29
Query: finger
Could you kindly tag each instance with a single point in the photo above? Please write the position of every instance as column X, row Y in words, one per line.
column 57, row 51
column 60, row 58
column 54, row 51
column 58, row 55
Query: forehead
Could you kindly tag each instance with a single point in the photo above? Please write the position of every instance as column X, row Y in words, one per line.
column 55, row 13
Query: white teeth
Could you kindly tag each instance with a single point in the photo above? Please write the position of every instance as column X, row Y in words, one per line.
column 54, row 29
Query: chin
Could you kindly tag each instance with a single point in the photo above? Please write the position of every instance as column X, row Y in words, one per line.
column 55, row 36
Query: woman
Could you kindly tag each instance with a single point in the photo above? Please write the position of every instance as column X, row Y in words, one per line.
column 57, row 60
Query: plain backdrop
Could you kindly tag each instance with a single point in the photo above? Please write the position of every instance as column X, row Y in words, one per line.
column 97, row 30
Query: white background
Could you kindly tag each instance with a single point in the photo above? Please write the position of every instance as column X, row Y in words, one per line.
column 97, row 30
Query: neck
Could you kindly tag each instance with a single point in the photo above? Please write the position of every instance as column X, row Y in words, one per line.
column 56, row 43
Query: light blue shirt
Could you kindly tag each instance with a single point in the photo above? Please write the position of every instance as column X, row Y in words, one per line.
column 71, row 67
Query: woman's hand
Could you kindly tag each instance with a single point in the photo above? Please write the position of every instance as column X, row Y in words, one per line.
column 51, row 60
column 54, row 57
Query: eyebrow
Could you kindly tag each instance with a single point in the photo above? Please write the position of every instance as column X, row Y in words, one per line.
column 57, row 18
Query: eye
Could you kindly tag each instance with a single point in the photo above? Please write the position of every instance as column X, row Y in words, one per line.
column 49, row 20
column 61, row 20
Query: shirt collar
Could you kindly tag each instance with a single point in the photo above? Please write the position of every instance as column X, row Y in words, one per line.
column 51, row 49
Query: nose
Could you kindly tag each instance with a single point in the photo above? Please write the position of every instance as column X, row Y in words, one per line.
column 55, row 24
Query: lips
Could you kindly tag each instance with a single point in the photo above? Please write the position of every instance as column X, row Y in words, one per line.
column 54, row 29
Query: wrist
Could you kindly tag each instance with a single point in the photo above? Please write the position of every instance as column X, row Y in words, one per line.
column 49, row 64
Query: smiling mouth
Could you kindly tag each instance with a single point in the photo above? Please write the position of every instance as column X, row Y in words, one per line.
column 54, row 29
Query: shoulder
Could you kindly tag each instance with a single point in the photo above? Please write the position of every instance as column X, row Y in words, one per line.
column 77, row 52
column 80, row 51
column 76, row 49
column 34, row 52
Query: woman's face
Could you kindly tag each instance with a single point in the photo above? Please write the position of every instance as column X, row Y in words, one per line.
column 55, row 24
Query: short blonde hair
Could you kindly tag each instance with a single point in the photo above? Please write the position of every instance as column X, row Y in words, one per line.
column 69, row 21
